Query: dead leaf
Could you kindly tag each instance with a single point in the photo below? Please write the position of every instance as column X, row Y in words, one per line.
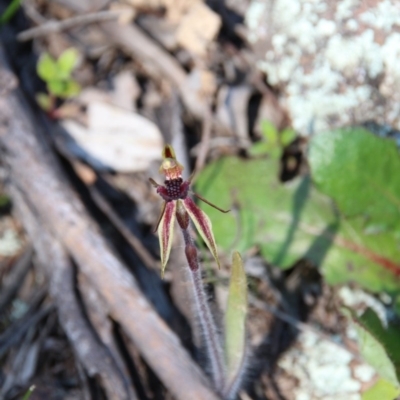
column 197, row 28
column 126, row 90
column 118, row 139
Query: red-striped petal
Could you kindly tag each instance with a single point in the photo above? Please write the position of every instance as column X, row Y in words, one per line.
column 166, row 233
column 203, row 225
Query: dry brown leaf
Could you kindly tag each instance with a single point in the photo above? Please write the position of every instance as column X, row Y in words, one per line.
column 117, row 138
column 197, row 28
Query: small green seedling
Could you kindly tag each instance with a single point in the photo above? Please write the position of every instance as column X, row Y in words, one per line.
column 272, row 141
column 29, row 392
column 58, row 77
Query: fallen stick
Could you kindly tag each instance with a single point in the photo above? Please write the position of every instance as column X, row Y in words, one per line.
column 59, row 26
column 95, row 357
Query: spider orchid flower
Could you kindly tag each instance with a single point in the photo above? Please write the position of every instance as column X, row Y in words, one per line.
column 178, row 205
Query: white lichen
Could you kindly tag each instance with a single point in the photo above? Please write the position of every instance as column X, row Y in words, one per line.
column 323, row 370
column 345, row 9
column 384, row 16
column 326, row 27
column 330, row 65
column 10, row 243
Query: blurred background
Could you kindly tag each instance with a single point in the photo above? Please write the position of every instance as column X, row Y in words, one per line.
column 287, row 111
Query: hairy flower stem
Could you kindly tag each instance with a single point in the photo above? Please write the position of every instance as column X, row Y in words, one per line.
column 209, row 330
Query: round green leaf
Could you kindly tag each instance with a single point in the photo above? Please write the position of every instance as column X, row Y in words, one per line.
column 293, row 221
column 67, row 62
column 382, row 390
column 57, row 87
column 47, row 67
column 72, row 89
column 360, row 171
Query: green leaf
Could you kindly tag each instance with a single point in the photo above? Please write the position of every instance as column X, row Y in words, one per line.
column 29, row 392
column 47, row 67
column 360, row 171
column 287, row 136
column 294, row 221
column 10, row 11
column 270, row 142
column 72, row 89
column 396, row 305
column 382, row 390
column 67, row 62
column 235, row 318
column 57, row 87
column 45, row 102
column 5, row 203
column 369, row 259
column 378, row 345
column 388, row 337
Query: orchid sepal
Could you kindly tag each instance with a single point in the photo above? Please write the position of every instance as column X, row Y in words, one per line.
column 203, row 225
column 166, row 233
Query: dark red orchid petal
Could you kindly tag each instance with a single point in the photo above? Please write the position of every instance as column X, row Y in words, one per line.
column 203, row 225
column 166, row 233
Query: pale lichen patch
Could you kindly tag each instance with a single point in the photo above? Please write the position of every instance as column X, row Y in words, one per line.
column 323, row 370
column 384, row 16
column 336, row 63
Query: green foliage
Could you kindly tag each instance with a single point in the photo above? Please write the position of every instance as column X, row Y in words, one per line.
column 47, row 67
column 396, row 305
column 4, row 201
column 67, row 62
column 272, row 142
column 29, row 392
column 360, row 171
column 294, row 221
column 379, row 347
column 235, row 317
column 45, row 102
column 352, row 235
column 58, row 76
column 10, row 11
column 382, row 390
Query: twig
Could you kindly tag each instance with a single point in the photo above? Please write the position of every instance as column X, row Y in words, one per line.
column 16, row 331
column 93, row 355
column 16, row 277
column 215, row 143
column 59, row 26
column 88, row 177
column 205, row 140
column 31, row 11
column 137, row 246
column 141, row 47
column 97, row 313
